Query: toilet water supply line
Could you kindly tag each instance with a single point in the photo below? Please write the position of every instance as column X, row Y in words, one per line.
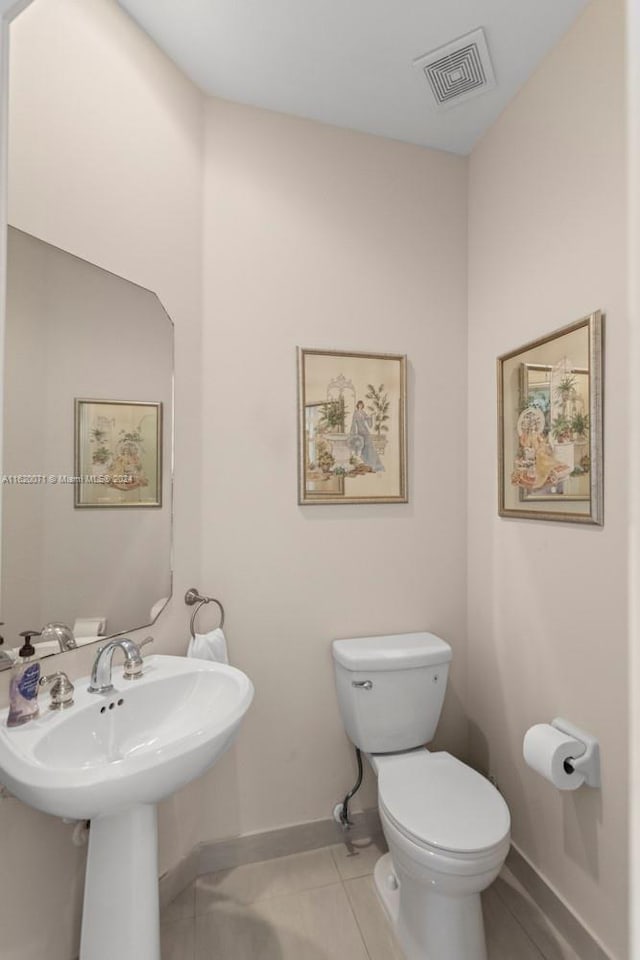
column 343, row 810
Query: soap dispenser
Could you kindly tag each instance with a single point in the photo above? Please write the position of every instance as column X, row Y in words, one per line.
column 23, row 690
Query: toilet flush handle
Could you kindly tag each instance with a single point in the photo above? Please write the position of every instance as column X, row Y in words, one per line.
column 363, row 684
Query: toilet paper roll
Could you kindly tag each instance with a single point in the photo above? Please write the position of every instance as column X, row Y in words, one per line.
column 90, row 627
column 545, row 750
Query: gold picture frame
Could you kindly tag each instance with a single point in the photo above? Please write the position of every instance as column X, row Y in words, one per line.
column 118, row 453
column 550, row 435
column 352, row 431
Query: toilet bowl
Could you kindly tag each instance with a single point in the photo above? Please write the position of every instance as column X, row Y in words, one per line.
column 447, row 826
column 448, row 834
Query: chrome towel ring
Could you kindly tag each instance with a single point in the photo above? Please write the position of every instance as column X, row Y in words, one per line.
column 193, row 597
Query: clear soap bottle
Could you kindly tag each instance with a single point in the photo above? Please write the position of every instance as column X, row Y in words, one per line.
column 23, row 689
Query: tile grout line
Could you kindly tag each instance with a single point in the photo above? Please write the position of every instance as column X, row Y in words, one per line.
column 355, row 917
column 195, row 952
column 350, row 905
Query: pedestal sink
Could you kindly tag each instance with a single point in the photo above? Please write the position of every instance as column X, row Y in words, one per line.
column 109, row 759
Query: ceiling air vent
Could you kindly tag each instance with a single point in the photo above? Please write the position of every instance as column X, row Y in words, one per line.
column 459, row 71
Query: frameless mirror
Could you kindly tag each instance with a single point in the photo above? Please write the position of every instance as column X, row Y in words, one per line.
column 87, row 450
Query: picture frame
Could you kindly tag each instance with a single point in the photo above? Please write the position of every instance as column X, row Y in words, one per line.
column 550, row 432
column 118, row 453
column 352, row 431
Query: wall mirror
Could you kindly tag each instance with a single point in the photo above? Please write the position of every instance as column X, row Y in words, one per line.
column 550, row 426
column 87, row 450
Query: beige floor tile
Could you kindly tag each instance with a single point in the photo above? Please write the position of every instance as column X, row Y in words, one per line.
column 261, row 881
column 372, row 920
column 550, row 943
column 177, row 939
column 314, row 925
column 506, row 940
column 358, row 859
column 182, row 907
column 295, row 908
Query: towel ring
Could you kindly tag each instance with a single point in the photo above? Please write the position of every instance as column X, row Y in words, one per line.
column 192, row 597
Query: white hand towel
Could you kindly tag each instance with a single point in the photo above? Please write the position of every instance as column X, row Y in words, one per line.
column 209, row 646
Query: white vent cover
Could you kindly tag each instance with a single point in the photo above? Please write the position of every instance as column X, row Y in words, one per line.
column 459, row 71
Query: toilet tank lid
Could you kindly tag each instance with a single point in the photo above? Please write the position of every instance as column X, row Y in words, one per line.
column 398, row 651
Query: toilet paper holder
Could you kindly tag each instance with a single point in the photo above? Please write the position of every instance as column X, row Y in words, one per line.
column 587, row 763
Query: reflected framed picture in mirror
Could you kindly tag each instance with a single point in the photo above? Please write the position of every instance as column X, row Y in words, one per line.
column 550, row 460
column 118, row 453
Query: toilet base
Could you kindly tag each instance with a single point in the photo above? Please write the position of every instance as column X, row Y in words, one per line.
column 430, row 926
column 387, row 887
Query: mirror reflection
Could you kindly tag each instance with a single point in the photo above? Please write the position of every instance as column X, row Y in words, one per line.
column 87, row 451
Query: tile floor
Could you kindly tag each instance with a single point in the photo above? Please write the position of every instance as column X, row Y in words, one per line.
column 322, row 905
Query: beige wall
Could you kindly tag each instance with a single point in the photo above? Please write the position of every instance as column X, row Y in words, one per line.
column 106, row 162
column 320, row 237
column 324, row 238
column 547, row 602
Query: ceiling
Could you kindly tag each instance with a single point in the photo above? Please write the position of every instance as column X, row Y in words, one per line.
column 350, row 62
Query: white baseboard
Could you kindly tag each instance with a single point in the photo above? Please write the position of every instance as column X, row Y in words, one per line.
column 178, row 878
column 557, row 912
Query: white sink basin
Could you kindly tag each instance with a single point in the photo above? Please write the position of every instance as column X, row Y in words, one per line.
column 135, row 745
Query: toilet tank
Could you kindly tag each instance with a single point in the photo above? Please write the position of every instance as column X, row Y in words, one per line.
column 391, row 689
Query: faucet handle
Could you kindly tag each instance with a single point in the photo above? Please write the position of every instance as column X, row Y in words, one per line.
column 61, row 690
column 133, row 665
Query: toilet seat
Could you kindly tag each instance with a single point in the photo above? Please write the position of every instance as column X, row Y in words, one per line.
column 440, row 804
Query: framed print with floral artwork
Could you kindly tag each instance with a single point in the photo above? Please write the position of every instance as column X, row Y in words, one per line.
column 118, row 453
column 550, row 464
column 351, row 427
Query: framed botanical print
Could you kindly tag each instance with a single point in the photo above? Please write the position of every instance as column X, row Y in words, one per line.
column 351, row 427
column 550, row 463
column 118, row 453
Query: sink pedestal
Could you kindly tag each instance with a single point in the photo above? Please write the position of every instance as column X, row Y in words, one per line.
column 121, row 917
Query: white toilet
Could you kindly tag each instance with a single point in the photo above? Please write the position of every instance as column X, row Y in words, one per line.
column 447, row 826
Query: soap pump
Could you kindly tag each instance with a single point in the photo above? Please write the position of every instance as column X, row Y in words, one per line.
column 23, row 689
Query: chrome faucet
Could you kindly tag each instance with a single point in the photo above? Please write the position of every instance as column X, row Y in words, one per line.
column 101, row 672
column 61, row 634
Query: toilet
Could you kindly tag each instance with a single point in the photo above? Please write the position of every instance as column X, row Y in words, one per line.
column 446, row 826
